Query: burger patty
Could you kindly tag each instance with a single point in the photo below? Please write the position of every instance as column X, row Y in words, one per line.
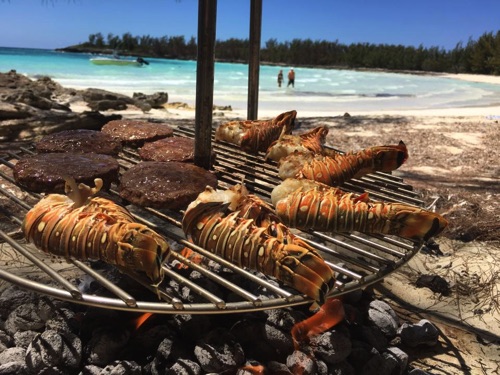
column 44, row 173
column 171, row 185
column 135, row 132
column 168, row 149
column 79, row 140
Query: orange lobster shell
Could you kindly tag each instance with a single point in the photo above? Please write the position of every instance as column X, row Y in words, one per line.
column 256, row 135
column 307, row 204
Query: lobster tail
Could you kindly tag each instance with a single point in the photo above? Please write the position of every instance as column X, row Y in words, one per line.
column 141, row 248
column 251, row 238
column 388, row 158
column 95, row 229
column 307, row 272
column 310, row 205
column 416, row 223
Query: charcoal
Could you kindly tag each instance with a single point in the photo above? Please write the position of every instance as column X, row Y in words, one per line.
column 106, row 344
column 396, row 360
column 322, row 367
column 13, row 297
column 23, row 339
column 144, row 342
column 251, row 367
column 281, row 341
column 184, row 367
column 14, row 357
column 371, row 335
column 284, row 318
column 64, row 320
column 301, row 363
column 122, row 368
column 361, row 353
column 13, row 368
column 277, row 368
column 5, row 340
column 53, row 349
column 383, row 316
column 341, row 368
column 249, row 331
column 421, row 333
column 332, row 346
column 24, row 318
column 90, row 370
column 190, row 327
column 219, row 352
column 375, row 365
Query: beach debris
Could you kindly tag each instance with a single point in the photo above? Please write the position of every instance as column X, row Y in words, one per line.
column 435, row 283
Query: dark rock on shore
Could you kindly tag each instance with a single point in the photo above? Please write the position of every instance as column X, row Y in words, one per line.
column 31, row 108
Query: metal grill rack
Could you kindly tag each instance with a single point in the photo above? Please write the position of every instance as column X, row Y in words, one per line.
column 357, row 259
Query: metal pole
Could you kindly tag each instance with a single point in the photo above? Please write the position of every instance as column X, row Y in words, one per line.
column 254, row 63
column 207, row 14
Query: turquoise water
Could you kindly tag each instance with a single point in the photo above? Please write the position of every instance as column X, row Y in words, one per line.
column 315, row 89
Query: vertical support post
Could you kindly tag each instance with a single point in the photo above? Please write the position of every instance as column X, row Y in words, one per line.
column 205, row 71
column 254, row 63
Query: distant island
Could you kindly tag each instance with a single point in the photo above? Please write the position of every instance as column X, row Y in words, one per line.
column 480, row 56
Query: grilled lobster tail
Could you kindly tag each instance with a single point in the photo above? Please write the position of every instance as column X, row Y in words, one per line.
column 211, row 225
column 335, row 169
column 308, row 142
column 256, row 135
column 307, row 204
column 98, row 229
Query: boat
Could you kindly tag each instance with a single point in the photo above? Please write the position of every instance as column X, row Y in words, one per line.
column 118, row 61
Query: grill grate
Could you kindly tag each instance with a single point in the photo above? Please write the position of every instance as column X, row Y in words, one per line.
column 357, row 259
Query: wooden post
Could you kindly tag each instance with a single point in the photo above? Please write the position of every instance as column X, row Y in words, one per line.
column 254, row 63
column 207, row 14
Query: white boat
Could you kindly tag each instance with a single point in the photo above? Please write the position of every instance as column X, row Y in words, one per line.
column 118, row 61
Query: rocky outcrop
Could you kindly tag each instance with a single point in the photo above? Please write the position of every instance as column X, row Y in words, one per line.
column 31, row 108
column 156, row 100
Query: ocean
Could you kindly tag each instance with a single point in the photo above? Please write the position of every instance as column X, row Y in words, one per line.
column 316, row 90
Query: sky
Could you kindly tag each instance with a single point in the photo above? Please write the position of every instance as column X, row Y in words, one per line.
column 432, row 23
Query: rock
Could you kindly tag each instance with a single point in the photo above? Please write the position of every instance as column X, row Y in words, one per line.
column 31, row 108
column 421, row 333
column 156, row 100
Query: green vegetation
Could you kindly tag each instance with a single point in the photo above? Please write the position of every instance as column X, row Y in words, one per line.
column 480, row 56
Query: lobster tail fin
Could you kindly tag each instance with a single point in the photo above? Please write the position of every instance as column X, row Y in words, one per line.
column 307, row 272
column 389, row 158
column 419, row 224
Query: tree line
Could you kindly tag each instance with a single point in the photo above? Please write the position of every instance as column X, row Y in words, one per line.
column 480, row 56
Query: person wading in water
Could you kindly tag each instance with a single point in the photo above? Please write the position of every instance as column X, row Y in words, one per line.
column 291, row 78
column 280, row 78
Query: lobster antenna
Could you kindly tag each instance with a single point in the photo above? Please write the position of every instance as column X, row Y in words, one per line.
column 81, row 192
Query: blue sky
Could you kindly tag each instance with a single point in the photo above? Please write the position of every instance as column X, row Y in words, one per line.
column 439, row 23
